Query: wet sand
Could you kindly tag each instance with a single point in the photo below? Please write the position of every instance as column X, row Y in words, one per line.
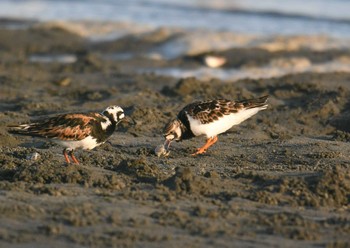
column 280, row 179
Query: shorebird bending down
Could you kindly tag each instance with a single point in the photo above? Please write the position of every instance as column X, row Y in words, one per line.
column 210, row 118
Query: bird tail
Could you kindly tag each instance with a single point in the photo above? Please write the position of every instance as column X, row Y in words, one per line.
column 23, row 129
column 260, row 103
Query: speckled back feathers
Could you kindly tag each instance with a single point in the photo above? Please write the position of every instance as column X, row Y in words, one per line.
column 209, row 111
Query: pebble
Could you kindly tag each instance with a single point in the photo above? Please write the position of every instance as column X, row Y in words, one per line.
column 34, row 156
column 160, row 150
column 214, row 61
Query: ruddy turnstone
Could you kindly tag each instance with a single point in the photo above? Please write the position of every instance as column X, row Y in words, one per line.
column 75, row 130
column 210, row 118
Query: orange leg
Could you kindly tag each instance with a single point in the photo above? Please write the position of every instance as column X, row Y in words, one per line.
column 66, row 156
column 209, row 143
column 75, row 160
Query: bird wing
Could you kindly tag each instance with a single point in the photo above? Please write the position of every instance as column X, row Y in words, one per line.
column 209, row 111
column 62, row 127
column 212, row 110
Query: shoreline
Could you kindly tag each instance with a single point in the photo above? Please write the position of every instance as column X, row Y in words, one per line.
column 280, row 178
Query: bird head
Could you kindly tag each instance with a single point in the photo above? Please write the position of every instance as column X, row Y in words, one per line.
column 114, row 113
column 172, row 131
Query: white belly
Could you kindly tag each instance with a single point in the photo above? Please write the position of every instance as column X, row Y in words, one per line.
column 222, row 125
column 88, row 143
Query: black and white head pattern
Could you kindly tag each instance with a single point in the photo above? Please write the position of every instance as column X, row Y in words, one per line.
column 114, row 113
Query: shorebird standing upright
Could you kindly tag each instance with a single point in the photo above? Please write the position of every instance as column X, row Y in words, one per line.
column 75, row 130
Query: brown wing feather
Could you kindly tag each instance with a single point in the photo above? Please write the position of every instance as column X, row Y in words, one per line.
column 254, row 103
column 209, row 111
column 64, row 127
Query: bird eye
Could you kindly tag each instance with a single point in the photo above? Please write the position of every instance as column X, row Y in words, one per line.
column 120, row 115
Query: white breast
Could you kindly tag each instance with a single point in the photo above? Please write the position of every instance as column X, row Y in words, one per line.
column 88, row 143
column 223, row 124
column 105, row 124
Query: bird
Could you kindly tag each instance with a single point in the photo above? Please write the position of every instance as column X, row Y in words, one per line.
column 210, row 118
column 75, row 130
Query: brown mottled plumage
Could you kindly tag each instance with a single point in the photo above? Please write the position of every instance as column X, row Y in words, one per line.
column 65, row 127
column 211, row 118
column 76, row 130
column 212, row 110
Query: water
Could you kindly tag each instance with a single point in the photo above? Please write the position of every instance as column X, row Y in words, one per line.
column 269, row 17
column 50, row 58
column 229, row 75
column 210, row 25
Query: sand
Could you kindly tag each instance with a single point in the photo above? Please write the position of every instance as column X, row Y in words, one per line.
column 280, row 179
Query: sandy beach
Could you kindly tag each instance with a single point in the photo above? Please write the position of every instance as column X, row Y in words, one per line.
column 280, row 179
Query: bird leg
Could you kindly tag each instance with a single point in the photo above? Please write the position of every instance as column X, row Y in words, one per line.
column 75, row 160
column 209, row 143
column 66, row 155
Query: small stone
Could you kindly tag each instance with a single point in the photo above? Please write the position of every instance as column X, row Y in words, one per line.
column 214, row 61
column 34, row 156
column 160, row 150
column 64, row 81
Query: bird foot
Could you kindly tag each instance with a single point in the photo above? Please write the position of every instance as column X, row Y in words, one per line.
column 70, row 153
column 75, row 160
column 199, row 151
column 66, row 157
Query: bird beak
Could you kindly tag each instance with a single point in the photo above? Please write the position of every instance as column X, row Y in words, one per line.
column 127, row 119
column 167, row 144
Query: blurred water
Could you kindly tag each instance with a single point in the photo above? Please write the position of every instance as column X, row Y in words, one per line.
column 49, row 58
column 286, row 17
